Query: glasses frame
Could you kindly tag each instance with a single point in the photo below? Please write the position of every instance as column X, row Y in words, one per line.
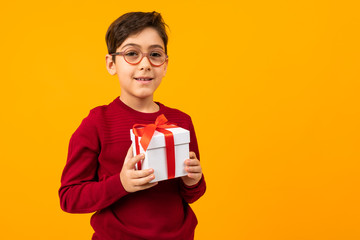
column 142, row 56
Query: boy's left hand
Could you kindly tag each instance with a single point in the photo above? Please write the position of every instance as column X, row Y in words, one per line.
column 193, row 168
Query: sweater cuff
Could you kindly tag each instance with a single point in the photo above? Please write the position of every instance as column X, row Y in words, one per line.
column 115, row 185
column 195, row 185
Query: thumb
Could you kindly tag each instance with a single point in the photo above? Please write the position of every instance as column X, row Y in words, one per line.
column 130, row 161
column 129, row 154
column 192, row 155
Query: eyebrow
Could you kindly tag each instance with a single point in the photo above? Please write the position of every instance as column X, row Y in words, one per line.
column 137, row 45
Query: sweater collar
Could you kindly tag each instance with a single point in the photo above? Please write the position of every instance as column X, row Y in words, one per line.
column 136, row 113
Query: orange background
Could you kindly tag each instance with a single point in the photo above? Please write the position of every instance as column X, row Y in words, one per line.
column 272, row 87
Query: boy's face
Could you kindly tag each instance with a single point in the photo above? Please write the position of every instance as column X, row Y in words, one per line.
column 141, row 80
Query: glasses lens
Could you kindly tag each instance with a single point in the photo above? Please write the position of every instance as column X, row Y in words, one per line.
column 157, row 57
column 132, row 55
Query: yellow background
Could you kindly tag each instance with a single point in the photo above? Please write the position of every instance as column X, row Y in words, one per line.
column 272, row 87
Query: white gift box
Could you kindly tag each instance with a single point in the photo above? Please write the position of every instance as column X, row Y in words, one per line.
column 155, row 155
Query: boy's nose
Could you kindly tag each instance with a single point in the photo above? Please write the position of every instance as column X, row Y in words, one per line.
column 145, row 63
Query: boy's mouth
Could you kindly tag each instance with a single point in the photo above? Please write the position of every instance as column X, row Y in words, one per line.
column 143, row 79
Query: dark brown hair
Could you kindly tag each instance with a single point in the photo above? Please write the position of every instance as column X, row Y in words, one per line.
column 132, row 23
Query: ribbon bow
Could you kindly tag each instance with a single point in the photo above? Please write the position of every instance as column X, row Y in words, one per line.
column 146, row 132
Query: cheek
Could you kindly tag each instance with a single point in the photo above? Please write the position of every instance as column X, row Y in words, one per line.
column 163, row 71
column 124, row 77
column 124, row 71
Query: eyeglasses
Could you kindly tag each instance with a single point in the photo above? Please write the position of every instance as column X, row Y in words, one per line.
column 134, row 56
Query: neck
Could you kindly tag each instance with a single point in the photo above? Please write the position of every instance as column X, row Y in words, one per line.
column 146, row 105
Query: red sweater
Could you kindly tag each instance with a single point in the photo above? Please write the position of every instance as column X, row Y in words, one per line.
column 91, row 181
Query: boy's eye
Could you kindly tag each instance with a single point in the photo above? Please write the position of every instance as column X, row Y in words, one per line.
column 156, row 54
column 132, row 53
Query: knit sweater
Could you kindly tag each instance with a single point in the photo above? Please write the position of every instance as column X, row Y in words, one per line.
column 91, row 182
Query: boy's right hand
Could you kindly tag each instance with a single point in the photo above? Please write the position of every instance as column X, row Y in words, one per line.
column 135, row 180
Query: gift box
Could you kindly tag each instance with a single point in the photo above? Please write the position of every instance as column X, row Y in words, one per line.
column 165, row 150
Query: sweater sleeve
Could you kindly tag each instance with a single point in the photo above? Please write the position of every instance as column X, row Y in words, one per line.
column 81, row 191
column 192, row 193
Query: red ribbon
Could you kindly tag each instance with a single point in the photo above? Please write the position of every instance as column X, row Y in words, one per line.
column 146, row 132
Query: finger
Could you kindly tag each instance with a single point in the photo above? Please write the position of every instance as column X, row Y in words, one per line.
column 132, row 161
column 143, row 181
column 195, row 175
column 192, row 162
column 142, row 173
column 192, row 155
column 193, row 169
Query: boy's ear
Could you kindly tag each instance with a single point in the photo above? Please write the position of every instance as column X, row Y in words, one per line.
column 110, row 65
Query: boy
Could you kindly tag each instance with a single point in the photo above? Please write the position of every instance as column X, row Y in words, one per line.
column 99, row 175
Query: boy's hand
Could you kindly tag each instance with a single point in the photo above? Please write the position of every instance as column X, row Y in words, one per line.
column 193, row 168
column 135, row 180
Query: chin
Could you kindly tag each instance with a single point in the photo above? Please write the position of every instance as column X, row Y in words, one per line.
column 144, row 95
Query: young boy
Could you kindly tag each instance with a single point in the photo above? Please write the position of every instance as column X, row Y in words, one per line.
column 99, row 175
